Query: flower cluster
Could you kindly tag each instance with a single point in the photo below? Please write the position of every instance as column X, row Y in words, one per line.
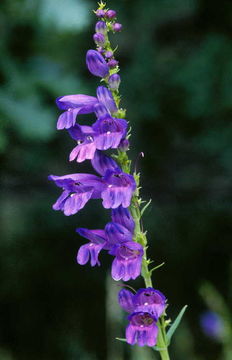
column 144, row 307
column 113, row 183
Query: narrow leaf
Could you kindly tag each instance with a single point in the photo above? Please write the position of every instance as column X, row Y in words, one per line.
column 175, row 324
column 120, row 339
column 145, row 207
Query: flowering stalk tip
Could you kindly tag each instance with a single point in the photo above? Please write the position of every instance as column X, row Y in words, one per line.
column 118, row 188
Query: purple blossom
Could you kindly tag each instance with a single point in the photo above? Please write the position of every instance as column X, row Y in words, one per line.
column 74, row 105
column 84, row 104
column 128, row 260
column 119, row 189
column 142, row 329
column 91, row 250
column 124, row 145
column 123, row 217
column 96, row 64
column 109, row 132
column 86, row 147
column 105, row 97
column 78, row 189
column 146, row 300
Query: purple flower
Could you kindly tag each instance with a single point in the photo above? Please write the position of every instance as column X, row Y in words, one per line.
column 78, row 189
column 212, row 324
column 96, row 63
column 101, row 27
column 74, row 105
column 83, row 104
column 146, row 300
column 119, row 189
column 99, row 39
column 142, row 329
column 101, row 163
column 86, row 147
column 128, row 260
column 105, row 97
column 109, row 132
column 114, row 81
column 91, row 250
column 123, row 217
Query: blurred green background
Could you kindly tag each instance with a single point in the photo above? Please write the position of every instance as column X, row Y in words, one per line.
column 176, row 69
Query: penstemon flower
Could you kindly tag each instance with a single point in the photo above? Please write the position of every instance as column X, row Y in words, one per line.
column 118, row 187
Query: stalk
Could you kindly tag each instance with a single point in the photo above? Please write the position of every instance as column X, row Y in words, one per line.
column 139, row 234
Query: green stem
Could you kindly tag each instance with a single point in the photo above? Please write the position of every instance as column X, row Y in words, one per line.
column 139, row 234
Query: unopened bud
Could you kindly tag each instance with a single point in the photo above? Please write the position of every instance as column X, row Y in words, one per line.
column 99, row 39
column 117, row 27
column 124, row 145
column 109, row 54
column 111, row 14
column 100, row 13
column 101, row 27
column 114, row 81
column 112, row 63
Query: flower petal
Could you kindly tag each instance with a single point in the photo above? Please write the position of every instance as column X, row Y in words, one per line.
column 125, row 299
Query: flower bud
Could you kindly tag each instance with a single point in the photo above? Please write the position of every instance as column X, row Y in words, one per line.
column 101, row 27
column 112, row 63
column 109, row 54
column 124, row 145
column 96, row 63
column 114, row 81
column 99, row 39
column 111, row 14
column 117, row 27
column 100, row 13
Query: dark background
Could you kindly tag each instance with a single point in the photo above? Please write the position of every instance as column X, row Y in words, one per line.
column 176, row 69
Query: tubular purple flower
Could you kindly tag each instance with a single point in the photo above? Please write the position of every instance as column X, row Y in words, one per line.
column 109, row 132
column 110, row 14
column 78, row 189
column 101, row 163
column 74, row 104
column 117, row 233
column 117, row 27
column 92, row 249
column 101, row 27
column 99, row 39
column 86, row 146
column 96, row 64
column 114, row 81
column 142, row 329
column 212, row 324
column 123, row 217
column 128, row 260
column 119, row 189
column 106, row 98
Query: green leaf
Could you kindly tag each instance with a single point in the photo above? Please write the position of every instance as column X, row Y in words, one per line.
column 120, row 339
column 175, row 324
column 145, row 207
